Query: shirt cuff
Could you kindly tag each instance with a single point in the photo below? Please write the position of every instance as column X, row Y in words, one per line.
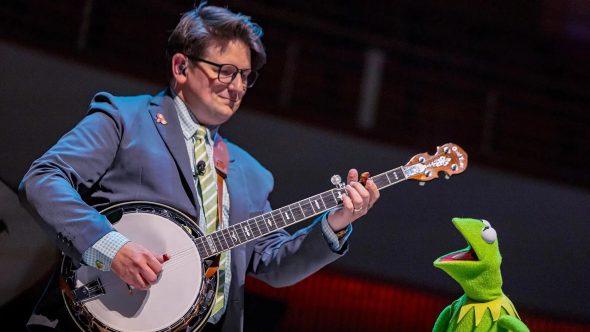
column 101, row 254
column 334, row 241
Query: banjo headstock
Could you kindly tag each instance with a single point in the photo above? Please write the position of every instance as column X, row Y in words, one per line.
column 450, row 159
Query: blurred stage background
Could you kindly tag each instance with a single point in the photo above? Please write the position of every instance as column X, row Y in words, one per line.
column 348, row 84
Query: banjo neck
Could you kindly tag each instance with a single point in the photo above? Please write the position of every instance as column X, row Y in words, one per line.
column 449, row 159
column 254, row 228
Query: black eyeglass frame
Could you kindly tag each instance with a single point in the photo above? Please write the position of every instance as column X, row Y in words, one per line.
column 248, row 80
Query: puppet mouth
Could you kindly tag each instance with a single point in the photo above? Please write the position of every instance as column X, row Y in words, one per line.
column 463, row 255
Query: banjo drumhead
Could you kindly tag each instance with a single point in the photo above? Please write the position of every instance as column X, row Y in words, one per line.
column 165, row 302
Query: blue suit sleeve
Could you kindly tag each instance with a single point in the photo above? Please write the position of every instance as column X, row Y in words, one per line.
column 53, row 189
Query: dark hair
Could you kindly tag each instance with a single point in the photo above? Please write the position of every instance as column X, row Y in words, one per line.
column 205, row 24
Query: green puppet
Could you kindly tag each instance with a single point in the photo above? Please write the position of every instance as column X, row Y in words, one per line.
column 483, row 307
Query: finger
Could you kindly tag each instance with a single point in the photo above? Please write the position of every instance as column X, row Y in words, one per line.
column 364, row 177
column 139, row 282
column 155, row 263
column 353, row 175
column 145, row 283
column 362, row 191
column 347, row 203
column 148, row 275
column 355, row 197
column 373, row 192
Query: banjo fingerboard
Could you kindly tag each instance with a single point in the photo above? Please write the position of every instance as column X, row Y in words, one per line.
column 253, row 228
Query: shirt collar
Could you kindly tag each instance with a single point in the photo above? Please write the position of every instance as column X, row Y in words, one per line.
column 188, row 121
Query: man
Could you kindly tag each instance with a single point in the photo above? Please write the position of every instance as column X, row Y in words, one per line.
column 148, row 148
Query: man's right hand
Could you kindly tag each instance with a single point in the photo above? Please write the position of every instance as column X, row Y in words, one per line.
column 137, row 266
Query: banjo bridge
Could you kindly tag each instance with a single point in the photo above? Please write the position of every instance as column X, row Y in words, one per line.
column 88, row 291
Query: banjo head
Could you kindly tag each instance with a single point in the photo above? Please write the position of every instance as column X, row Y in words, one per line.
column 177, row 300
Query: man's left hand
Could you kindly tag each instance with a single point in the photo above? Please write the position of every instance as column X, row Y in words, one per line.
column 355, row 204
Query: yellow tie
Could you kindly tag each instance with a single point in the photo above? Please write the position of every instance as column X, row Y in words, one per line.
column 208, row 186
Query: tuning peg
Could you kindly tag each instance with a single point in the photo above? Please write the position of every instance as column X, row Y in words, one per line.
column 337, row 181
column 422, row 183
column 447, row 177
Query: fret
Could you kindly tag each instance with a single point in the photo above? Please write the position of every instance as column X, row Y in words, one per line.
column 278, row 218
column 226, row 244
column 388, row 178
column 210, row 244
column 269, row 222
column 247, row 230
column 306, row 208
column 297, row 212
column 399, row 175
column 381, row 180
column 217, row 240
column 338, row 194
column 234, row 235
column 317, row 204
column 396, row 175
column 262, row 225
column 254, row 227
column 202, row 248
column 287, row 215
column 329, row 200
column 240, row 232
column 226, row 238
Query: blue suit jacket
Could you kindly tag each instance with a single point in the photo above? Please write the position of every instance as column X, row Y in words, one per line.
column 120, row 153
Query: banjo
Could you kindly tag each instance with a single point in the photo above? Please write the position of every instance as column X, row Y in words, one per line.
column 183, row 296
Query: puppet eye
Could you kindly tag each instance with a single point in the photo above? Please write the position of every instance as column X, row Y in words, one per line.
column 488, row 234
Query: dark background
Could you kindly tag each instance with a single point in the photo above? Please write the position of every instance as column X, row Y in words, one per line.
column 506, row 80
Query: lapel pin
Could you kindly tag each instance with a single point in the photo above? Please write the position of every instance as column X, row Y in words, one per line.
column 161, row 119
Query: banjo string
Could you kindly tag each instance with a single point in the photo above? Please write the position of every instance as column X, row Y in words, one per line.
column 176, row 261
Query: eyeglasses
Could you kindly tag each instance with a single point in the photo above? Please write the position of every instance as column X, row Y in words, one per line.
column 227, row 73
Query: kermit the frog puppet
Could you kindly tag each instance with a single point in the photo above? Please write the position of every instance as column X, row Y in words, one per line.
column 483, row 307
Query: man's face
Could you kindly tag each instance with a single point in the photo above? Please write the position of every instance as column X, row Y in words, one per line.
column 211, row 101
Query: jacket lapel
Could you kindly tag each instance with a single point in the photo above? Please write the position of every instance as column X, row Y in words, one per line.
column 166, row 121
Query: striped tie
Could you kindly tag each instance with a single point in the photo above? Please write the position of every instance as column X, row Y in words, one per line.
column 208, row 186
